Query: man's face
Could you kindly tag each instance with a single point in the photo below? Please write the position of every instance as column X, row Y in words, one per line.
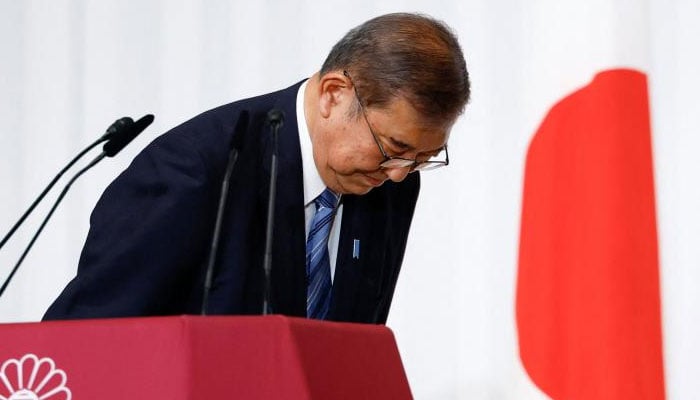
column 347, row 155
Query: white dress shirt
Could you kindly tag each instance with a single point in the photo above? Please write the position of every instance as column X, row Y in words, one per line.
column 313, row 184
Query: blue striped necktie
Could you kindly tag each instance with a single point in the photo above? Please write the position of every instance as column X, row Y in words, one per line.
column 318, row 266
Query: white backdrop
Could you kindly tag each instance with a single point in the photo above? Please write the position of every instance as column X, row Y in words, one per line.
column 70, row 68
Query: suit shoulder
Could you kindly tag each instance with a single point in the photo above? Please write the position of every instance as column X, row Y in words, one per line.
column 210, row 134
column 216, row 125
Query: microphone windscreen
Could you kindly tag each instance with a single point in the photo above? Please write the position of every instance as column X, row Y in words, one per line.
column 275, row 116
column 118, row 125
column 123, row 137
column 239, row 131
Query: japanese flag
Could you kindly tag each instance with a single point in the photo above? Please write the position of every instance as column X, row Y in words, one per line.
column 587, row 302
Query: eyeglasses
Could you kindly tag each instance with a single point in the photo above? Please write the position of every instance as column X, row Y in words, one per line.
column 398, row 162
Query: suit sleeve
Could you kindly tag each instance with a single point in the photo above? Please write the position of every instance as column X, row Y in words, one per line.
column 148, row 236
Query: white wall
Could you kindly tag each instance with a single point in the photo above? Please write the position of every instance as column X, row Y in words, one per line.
column 70, row 68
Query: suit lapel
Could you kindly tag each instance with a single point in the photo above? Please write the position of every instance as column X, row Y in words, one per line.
column 360, row 262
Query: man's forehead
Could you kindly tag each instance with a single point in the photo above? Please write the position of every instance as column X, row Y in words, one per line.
column 400, row 123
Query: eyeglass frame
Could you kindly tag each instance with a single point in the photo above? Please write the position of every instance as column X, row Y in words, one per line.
column 391, row 161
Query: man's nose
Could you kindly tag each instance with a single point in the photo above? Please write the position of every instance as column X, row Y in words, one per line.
column 397, row 174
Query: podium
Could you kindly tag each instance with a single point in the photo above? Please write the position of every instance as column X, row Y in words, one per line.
column 193, row 358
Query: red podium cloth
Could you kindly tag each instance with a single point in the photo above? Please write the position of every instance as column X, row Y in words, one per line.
column 193, row 357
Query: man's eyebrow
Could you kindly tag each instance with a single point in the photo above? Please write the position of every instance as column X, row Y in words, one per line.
column 401, row 145
column 408, row 147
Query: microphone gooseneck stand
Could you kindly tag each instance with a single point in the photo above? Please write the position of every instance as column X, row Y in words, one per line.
column 116, row 141
column 275, row 119
column 118, row 126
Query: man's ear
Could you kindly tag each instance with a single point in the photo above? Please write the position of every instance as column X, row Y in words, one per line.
column 333, row 87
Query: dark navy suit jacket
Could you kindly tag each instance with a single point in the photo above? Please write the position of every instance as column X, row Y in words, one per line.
column 150, row 232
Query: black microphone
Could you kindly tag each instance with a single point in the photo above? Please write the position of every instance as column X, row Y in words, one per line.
column 275, row 118
column 123, row 133
column 117, row 128
column 124, row 136
column 236, row 145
